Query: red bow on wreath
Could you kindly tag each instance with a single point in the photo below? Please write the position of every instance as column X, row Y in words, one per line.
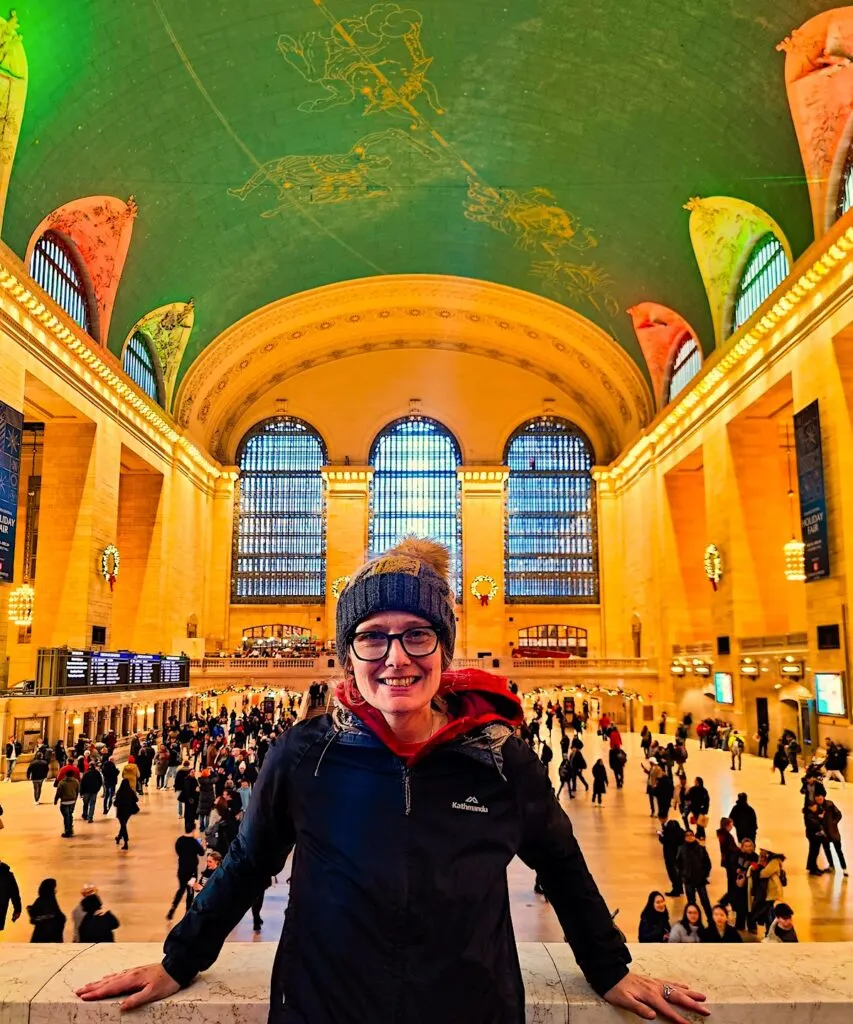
column 484, row 600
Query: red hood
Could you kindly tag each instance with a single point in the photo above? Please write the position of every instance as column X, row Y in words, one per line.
column 475, row 698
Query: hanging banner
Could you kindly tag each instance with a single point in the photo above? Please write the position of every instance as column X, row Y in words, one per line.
column 815, row 530
column 11, row 426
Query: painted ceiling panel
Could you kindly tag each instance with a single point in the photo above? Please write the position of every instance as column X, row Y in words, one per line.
column 272, row 148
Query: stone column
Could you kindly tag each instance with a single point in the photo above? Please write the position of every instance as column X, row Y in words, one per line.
column 218, row 591
column 483, row 627
column 78, row 518
column 347, row 508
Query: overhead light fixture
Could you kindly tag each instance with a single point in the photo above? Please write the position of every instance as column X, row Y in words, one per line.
column 21, row 604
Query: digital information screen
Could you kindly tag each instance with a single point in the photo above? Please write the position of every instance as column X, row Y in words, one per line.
column 78, row 669
column 829, row 688
column 723, row 691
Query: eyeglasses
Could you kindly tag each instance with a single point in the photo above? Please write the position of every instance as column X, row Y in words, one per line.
column 373, row 645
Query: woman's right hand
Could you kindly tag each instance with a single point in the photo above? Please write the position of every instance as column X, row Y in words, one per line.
column 146, row 984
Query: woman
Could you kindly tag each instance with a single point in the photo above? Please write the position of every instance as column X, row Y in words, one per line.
column 162, row 765
column 654, row 920
column 654, row 773
column 687, row 929
column 206, row 798
column 130, row 772
column 719, row 930
column 599, row 781
column 698, row 803
column 97, row 924
column 126, row 805
column 645, row 741
column 47, row 919
column 405, row 804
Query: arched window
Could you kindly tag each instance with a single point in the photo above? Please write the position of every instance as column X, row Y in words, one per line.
column 138, row 364
column 415, row 487
column 551, row 537
column 55, row 267
column 845, row 191
column 766, row 268
column 280, row 522
column 686, row 363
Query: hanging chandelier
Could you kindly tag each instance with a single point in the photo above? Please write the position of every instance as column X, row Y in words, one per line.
column 794, row 550
column 21, row 602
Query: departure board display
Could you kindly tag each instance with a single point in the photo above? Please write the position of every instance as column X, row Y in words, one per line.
column 62, row 669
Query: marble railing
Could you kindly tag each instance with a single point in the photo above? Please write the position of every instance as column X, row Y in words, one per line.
column 785, row 984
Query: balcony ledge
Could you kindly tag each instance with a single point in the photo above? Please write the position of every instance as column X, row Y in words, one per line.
column 790, row 985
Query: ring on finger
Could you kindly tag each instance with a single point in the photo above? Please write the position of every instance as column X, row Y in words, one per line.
column 667, row 993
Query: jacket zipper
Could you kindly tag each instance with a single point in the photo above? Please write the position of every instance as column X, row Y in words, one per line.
column 407, row 790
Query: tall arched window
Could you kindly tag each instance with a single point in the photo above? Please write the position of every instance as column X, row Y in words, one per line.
column 766, row 268
column 686, row 363
column 56, row 268
column 138, row 364
column 280, row 523
column 551, row 536
column 415, row 487
column 845, row 191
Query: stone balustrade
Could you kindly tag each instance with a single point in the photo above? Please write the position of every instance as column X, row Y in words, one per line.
column 782, row 984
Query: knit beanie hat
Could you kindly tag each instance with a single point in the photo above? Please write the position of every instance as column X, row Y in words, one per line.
column 411, row 577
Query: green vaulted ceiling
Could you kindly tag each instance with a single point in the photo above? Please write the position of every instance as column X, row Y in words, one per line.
column 544, row 144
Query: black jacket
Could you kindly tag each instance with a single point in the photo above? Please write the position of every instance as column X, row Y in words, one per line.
column 91, row 782
column 9, row 893
column 698, row 800
column 400, row 875
column 37, row 769
column 109, row 771
column 710, row 934
column 745, row 821
column 693, row 863
column 47, row 919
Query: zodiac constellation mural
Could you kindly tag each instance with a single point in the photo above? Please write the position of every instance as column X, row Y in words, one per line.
column 329, row 177
column 377, row 60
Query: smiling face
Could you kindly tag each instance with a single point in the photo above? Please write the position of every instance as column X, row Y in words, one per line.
column 660, row 903
column 398, row 684
column 692, row 914
column 719, row 916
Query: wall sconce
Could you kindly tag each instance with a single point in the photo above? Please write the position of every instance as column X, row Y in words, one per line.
column 749, row 667
column 677, row 668
column 791, row 667
column 76, row 720
column 701, row 668
column 150, row 709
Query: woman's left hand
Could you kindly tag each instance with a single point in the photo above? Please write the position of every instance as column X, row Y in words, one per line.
column 647, row 998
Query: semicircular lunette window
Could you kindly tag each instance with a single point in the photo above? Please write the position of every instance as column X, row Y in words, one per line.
column 54, row 266
column 280, row 519
column 415, row 488
column 138, row 363
column 551, row 533
column 766, row 268
column 845, row 192
column 685, row 365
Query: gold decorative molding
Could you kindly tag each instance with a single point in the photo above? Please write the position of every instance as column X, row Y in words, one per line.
column 832, row 255
column 347, row 481
column 64, row 342
column 302, row 331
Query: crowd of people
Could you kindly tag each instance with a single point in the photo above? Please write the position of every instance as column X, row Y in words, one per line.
column 752, row 900
column 211, row 764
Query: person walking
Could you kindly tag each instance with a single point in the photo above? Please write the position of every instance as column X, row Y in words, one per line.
column 645, row 741
column 831, row 817
column 12, row 751
column 188, row 797
column 578, row 763
column 99, row 925
column 744, row 819
column 719, row 929
column 793, row 751
column 67, row 791
column 90, row 786
column 206, row 798
column 130, row 772
column 698, row 801
column 618, row 759
column 9, row 894
column 654, row 774
column 126, row 805
column 687, row 929
column 654, row 920
column 671, row 837
column 47, row 919
column 664, row 793
column 813, row 819
column 189, row 849
column 763, row 737
column 161, row 766
column 736, row 748
column 408, row 745
column 694, row 866
column 835, row 762
column 37, row 771
column 109, row 773
column 781, row 761
column 599, row 781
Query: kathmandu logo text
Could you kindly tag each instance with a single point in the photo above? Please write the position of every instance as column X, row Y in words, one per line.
column 471, row 804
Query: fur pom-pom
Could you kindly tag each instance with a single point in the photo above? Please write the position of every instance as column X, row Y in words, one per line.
column 429, row 551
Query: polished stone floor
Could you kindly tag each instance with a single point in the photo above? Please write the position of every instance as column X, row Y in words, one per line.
column 619, row 841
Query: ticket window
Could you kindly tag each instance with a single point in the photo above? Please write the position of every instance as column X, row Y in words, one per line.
column 30, row 732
